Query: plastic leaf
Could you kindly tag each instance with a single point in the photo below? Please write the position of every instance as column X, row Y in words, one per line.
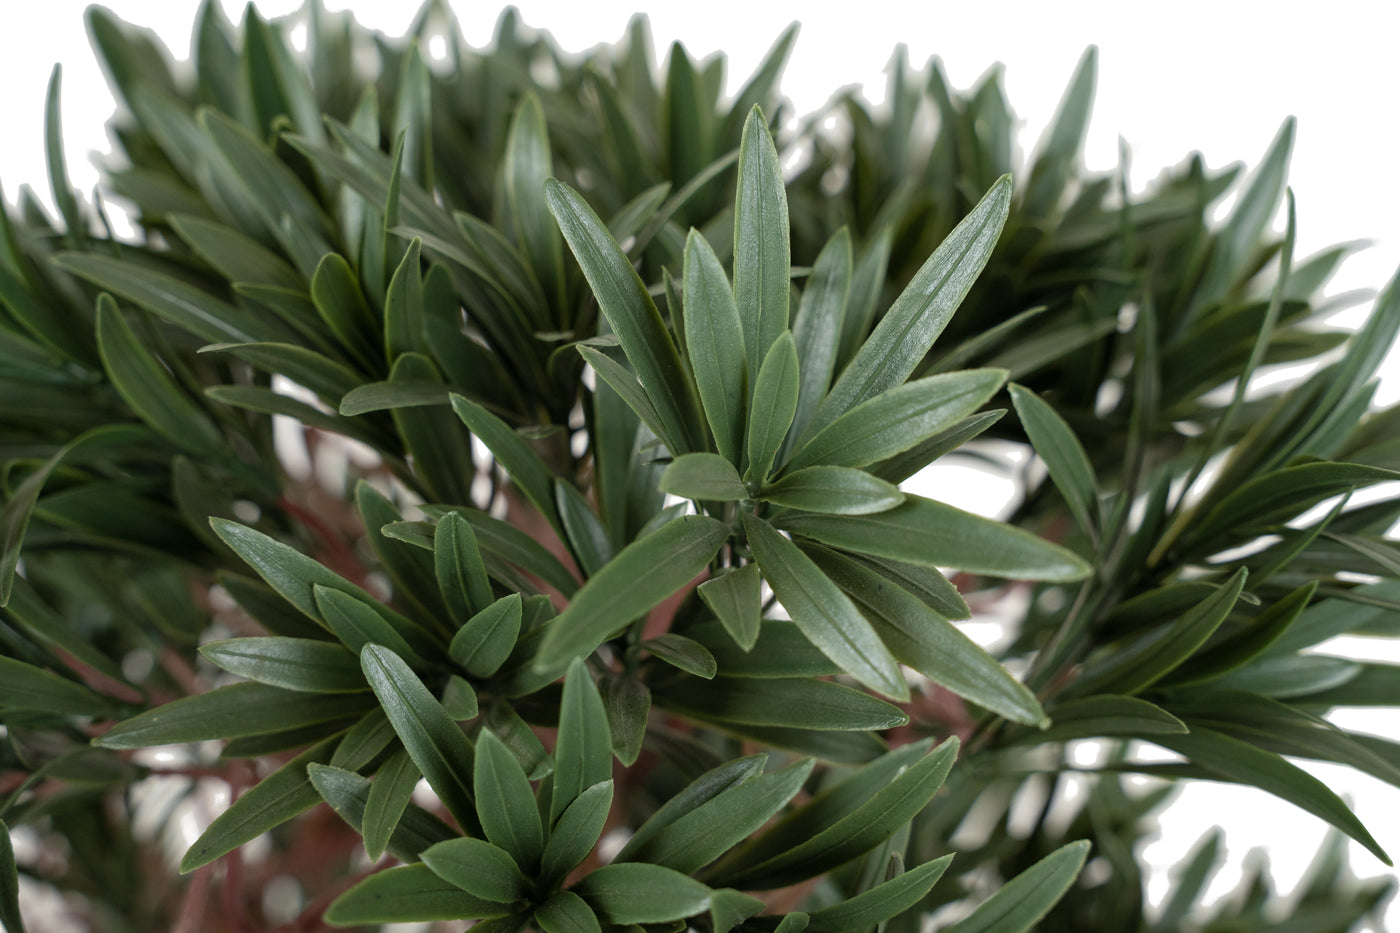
column 834, row 490
column 1064, row 457
column 290, row 663
column 635, row 893
column 583, row 755
column 478, row 867
column 411, row 893
column 703, row 477
column 484, row 642
column 761, row 247
column 714, row 340
column 735, row 599
column 1020, row 903
column 576, row 832
column 772, row 406
column 882, row 902
column 566, row 912
column 505, row 803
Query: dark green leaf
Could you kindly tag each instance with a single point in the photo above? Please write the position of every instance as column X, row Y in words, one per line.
column 479, row 868
column 527, row 166
column 919, row 314
column 357, row 623
column 404, row 320
column 1064, row 457
column 583, row 755
column 482, row 645
column 927, row 642
column 779, row 650
column 761, row 248
column 683, row 653
column 58, row 170
column 792, row 702
column 932, row 534
column 835, row 490
column 336, row 294
column 1103, row 716
column 513, row 453
column 439, row 749
column 566, row 912
column 706, row 832
column 1138, row 666
column 237, row 257
column 26, row 687
column 817, row 328
column 829, row 831
column 881, row 902
column 714, row 341
column 703, row 477
column 633, row 893
column 904, row 465
column 290, row 663
column 275, row 799
column 322, row 375
column 628, row 704
column 898, row 419
column 826, row 616
column 1247, row 644
column 228, row 713
column 1055, row 157
column 736, row 600
column 1228, row 759
column 499, row 539
column 1020, row 903
column 576, row 832
column 643, row 574
column 505, row 803
column 348, row 794
column 630, row 312
column 584, row 530
column 460, row 573
column 459, row 699
column 389, row 795
column 625, row 385
column 409, row 894
column 771, row 407
column 9, row 884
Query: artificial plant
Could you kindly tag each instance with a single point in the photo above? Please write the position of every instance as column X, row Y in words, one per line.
column 597, row 514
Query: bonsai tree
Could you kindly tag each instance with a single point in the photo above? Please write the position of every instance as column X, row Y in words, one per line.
column 510, row 457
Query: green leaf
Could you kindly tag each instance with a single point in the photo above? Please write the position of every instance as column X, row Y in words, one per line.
column 348, row 794
column 389, row 795
column 682, row 653
column 779, row 650
column 641, row 576
column 1020, row 903
column 630, row 312
column 761, row 247
column 273, row 801
column 58, row 170
column 513, row 453
column 478, row 867
column 505, row 803
column 1138, row 666
column 772, row 406
column 899, row 419
column 9, row 884
column 1054, row 164
column 817, row 328
column 703, row 477
column 459, row 699
column 574, row 834
column 928, row 642
column 438, row 747
column 919, row 314
column 566, row 912
column 792, row 702
column 331, row 380
column 499, row 539
column 793, row 922
column 229, row 713
column 834, row 490
column 584, row 530
column 826, row 616
column 714, row 340
column 617, row 377
column 1248, row 643
column 336, row 294
column 26, row 687
column 736, row 600
column 408, row 894
column 583, row 754
column 190, row 308
column 1064, row 457
column 482, row 645
column 628, row 704
column 633, row 893
column 290, row 663
column 526, row 168
column 357, row 623
column 882, row 902
column 932, row 534
column 460, row 573
column 404, row 320
column 1104, row 716
column 236, row 256
column 706, row 832
column 1228, row 759
column 904, row 465
column 829, row 831
column 381, row 396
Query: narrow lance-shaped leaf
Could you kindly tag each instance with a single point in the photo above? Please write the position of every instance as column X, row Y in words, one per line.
column 1020, row 903
column 410, row 893
column 301, row 664
column 566, row 912
column 835, row 490
column 583, row 755
column 9, row 884
column 461, row 575
column 527, row 165
column 26, row 687
column 513, row 453
column 505, row 803
column 630, row 312
column 824, row 614
column 919, row 314
column 642, row 575
column 486, row 640
column 584, row 530
column 817, row 328
column 1064, row 457
column 1054, row 162
column 389, row 796
column 932, row 534
column 438, row 747
column 638, row 893
column 771, row 409
column 714, row 340
column 58, row 169
column 882, row 902
column 736, row 600
column 576, row 832
column 762, row 248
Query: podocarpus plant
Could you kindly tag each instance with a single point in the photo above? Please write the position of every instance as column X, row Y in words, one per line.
column 619, row 561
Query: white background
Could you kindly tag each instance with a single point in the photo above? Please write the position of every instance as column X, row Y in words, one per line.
column 1218, row 77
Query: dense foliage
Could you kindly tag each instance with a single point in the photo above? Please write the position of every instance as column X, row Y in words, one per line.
column 516, row 423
